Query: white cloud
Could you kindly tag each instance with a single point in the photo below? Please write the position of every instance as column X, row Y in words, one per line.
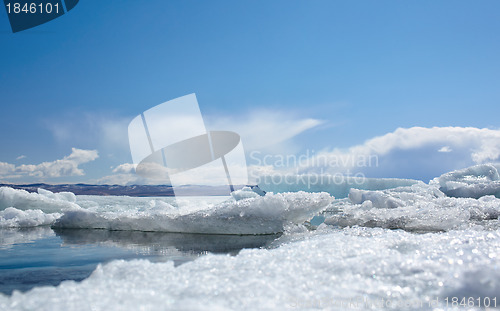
column 67, row 166
column 445, row 149
column 412, row 152
column 125, row 168
column 485, row 143
column 7, row 169
column 21, row 157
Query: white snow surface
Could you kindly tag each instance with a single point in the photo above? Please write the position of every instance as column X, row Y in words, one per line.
column 327, row 269
column 419, row 207
column 471, row 182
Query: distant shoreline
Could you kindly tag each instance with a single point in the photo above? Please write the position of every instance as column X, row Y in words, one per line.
column 118, row 190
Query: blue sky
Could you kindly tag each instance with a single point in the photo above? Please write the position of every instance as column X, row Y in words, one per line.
column 362, row 69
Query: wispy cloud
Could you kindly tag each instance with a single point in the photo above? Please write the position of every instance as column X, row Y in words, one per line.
column 263, row 128
column 445, row 149
column 21, row 157
column 104, row 131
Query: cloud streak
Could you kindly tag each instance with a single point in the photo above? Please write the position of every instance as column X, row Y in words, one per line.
column 263, row 128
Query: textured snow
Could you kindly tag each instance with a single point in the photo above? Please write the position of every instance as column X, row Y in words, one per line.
column 251, row 214
column 259, row 215
column 44, row 200
column 419, row 207
column 13, row 218
column 244, row 193
column 472, row 182
column 329, row 268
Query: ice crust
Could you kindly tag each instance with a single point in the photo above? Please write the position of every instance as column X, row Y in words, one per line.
column 472, row 182
column 13, row 218
column 326, row 269
column 259, row 215
column 21, row 209
column 44, row 200
column 420, row 207
column 251, row 214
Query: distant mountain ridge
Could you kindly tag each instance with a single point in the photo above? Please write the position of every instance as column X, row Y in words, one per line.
column 86, row 189
column 131, row 190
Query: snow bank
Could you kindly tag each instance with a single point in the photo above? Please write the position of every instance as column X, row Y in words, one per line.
column 472, row 182
column 259, row 215
column 329, row 269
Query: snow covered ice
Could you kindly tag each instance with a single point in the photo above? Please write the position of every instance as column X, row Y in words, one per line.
column 326, row 268
column 472, row 182
column 398, row 244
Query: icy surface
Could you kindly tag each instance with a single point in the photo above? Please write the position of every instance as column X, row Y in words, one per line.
column 244, row 193
column 472, row 182
column 13, row 218
column 260, row 215
column 330, row 268
column 417, row 208
column 251, row 214
column 45, row 200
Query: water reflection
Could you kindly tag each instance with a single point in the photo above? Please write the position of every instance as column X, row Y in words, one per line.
column 44, row 256
column 158, row 241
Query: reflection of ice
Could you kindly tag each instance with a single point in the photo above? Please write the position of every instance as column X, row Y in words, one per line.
column 162, row 242
column 11, row 236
